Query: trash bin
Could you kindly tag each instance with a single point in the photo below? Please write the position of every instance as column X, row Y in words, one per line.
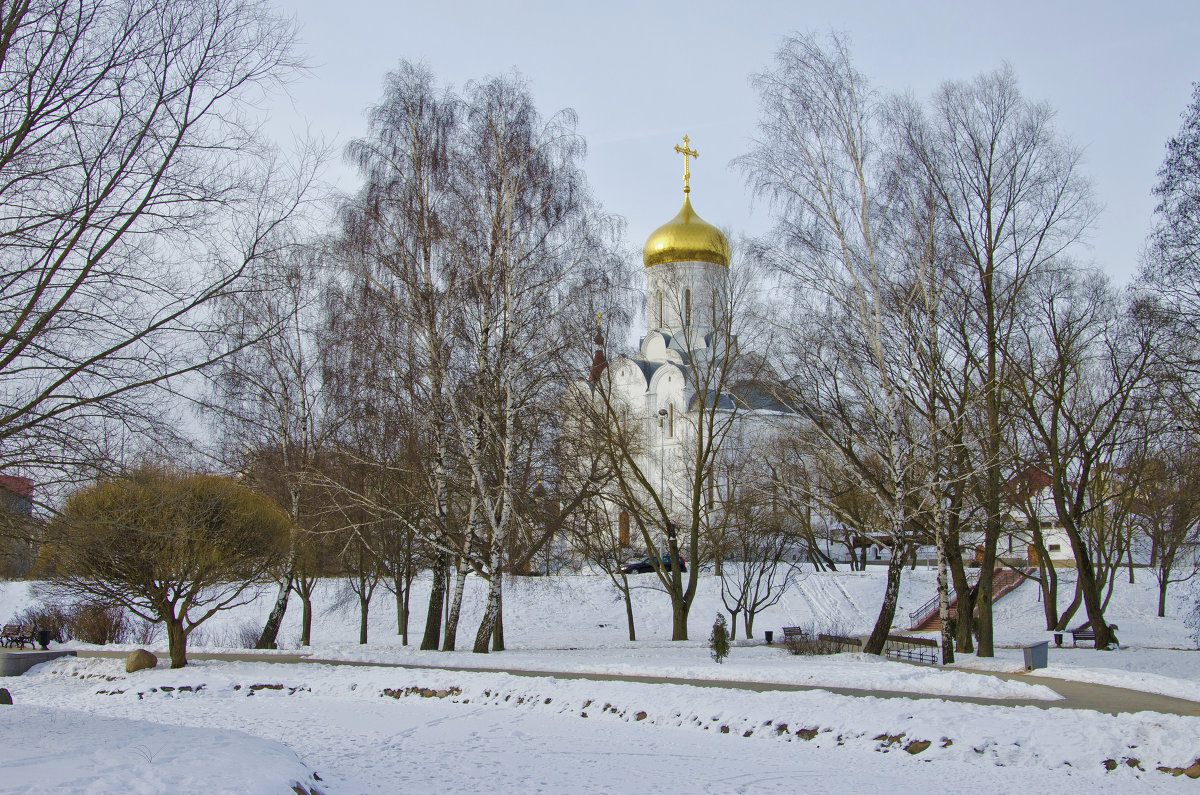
column 770, row 636
column 1036, row 656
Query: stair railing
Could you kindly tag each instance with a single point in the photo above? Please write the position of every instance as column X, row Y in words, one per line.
column 922, row 613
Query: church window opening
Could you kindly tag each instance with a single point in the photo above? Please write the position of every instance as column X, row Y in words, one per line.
column 671, row 420
column 714, row 308
column 660, row 309
column 623, row 529
column 687, row 306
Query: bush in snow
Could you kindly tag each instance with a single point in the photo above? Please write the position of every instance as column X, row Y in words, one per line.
column 89, row 622
column 718, row 641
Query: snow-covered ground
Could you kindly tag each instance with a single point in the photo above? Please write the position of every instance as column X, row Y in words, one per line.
column 386, row 730
column 531, row 733
column 48, row 750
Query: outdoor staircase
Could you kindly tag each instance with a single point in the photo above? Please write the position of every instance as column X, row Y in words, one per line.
column 927, row 617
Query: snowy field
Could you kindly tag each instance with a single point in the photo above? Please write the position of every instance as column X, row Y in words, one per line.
column 85, row 725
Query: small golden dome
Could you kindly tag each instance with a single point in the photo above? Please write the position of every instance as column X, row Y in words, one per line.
column 686, row 237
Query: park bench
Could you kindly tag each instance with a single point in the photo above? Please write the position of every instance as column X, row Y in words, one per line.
column 17, row 635
column 903, row 647
column 795, row 633
column 1083, row 633
column 832, row 644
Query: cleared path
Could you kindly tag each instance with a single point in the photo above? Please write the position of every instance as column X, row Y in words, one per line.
column 1076, row 695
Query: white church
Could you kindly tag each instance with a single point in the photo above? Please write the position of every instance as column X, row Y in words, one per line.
column 687, row 273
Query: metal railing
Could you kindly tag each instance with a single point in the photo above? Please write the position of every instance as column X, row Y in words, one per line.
column 918, row 616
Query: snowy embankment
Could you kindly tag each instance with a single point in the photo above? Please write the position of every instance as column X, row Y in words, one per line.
column 1095, row 750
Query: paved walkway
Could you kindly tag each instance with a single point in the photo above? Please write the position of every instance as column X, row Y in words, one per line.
column 1076, row 695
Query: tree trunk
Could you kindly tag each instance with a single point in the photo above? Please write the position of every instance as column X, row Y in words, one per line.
column 628, row 609
column 454, row 610
column 176, row 642
column 679, row 617
column 306, row 620
column 498, row 630
column 364, row 606
column 1162, row 597
column 433, row 618
column 983, row 597
column 401, row 619
column 406, row 608
column 749, row 615
column 943, row 591
column 270, row 634
column 484, row 636
column 887, row 611
column 1065, row 617
column 963, row 639
column 1090, row 589
column 1049, row 585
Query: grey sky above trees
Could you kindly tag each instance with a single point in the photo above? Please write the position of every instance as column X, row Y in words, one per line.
column 641, row 75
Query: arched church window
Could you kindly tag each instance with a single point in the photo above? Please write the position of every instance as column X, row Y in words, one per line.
column 660, row 309
column 687, row 306
column 671, row 420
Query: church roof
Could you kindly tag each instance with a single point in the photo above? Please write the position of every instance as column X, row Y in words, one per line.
column 750, row 396
column 686, row 238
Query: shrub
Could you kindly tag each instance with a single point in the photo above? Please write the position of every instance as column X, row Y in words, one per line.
column 48, row 615
column 84, row 621
column 246, row 635
column 143, row 633
column 718, row 642
column 99, row 624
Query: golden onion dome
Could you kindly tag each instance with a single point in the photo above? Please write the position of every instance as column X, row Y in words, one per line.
column 686, row 237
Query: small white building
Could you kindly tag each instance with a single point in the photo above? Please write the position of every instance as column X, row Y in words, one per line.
column 1031, row 504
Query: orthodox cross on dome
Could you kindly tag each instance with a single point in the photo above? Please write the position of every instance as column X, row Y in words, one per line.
column 687, row 153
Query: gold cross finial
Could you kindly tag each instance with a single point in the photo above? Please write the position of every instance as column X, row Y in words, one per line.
column 599, row 316
column 687, row 152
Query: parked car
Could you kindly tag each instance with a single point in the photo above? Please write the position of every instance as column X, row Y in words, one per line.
column 646, row 565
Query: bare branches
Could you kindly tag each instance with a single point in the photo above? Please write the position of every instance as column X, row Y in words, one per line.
column 135, row 190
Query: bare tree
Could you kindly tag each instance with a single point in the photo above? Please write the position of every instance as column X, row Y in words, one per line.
column 761, row 549
column 607, row 544
column 476, row 231
column 267, row 397
column 136, row 189
column 1012, row 198
column 1170, row 273
column 1167, row 513
column 1084, row 377
column 820, row 160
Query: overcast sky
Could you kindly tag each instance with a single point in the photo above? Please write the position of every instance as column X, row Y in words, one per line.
column 642, row 74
